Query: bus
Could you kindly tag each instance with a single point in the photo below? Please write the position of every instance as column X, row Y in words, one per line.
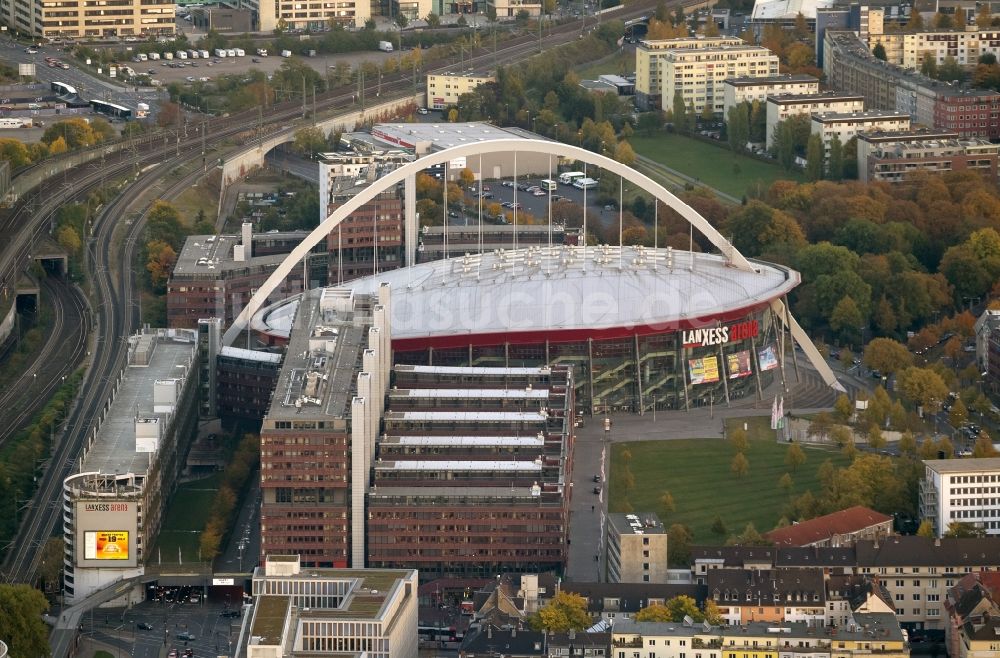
column 547, row 185
column 435, row 634
column 112, row 110
column 585, row 183
column 567, row 178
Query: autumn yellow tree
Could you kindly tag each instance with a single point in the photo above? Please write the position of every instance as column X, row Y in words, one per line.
column 564, row 612
column 740, row 465
column 161, row 262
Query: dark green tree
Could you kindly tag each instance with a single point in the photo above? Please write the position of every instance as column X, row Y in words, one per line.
column 814, row 158
column 738, row 127
column 879, row 51
column 21, row 625
column 835, row 166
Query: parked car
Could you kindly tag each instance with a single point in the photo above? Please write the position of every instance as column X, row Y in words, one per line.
column 144, row 626
column 421, row 110
column 187, row 637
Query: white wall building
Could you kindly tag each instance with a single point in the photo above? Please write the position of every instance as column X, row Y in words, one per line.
column 362, row 612
column 784, row 106
column 747, row 90
column 961, row 490
column 699, row 75
column 846, row 125
column 443, row 89
column 649, row 57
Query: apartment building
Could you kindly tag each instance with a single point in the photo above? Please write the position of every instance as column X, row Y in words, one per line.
column 90, row 19
column 782, row 107
column 637, row 548
column 649, row 55
column 768, row 595
column 471, row 470
column 845, row 125
column 318, row 437
column 512, row 642
column 698, row 76
column 917, row 571
column 509, row 9
column 896, row 157
column 613, row 603
column 748, row 90
column 444, row 89
column 973, row 605
column 909, row 49
column 850, row 66
column 873, row 633
column 987, row 323
column 963, row 491
column 841, row 528
column 299, row 611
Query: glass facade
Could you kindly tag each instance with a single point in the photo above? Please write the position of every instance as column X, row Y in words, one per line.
column 638, row 371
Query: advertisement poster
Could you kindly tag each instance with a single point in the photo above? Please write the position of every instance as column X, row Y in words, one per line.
column 105, row 545
column 768, row 358
column 704, row 371
column 738, row 364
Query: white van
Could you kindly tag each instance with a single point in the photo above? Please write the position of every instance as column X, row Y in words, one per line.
column 220, row 52
column 168, row 55
column 585, row 183
column 567, row 178
column 142, row 57
column 240, row 52
column 548, row 185
column 193, row 54
column 231, row 52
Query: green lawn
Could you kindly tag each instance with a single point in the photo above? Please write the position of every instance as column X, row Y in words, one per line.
column 696, row 472
column 102, row 654
column 620, row 63
column 715, row 166
column 186, row 516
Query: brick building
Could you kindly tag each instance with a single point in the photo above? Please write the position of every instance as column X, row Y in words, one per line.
column 842, row 528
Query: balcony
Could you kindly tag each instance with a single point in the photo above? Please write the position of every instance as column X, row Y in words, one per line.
column 633, row 643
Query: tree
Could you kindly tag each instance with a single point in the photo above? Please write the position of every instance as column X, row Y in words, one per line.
column 711, row 612
column 843, row 408
column 875, row 439
column 962, row 529
column 785, row 483
column 794, row 456
column 984, row 17
column 679, row 538
column 814, row 158
column 984, row 446
column 674, row 609
column 916, row 21
column 738, row 127
column 58, row 146
column 783, row 145
column 401, row 20
column 679, row 112
column 835, row 166
column 821, row 425
column 624, row 153
column 69, row 239
column 433, row 20
column 168, row 114
column 160, row 262
column 923, row 387
column 907, row 444
column 667, row 503
column 958, row 415
column 719, row 526
column 841, row 436
column 739, row 439
column 21, row 625
column 50, row 568
column 928, row 65
column 942, row 21
column 887, row 356
column 739, row 466
column 879, row 51
column 749, row 537
column 309, row 141
column 757, row 227
column 846, row 317
column 801, row 29
column 950, row 70
column 564, row 612
column 926, row 529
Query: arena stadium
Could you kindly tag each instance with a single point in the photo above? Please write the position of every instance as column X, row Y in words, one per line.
column 641, row 326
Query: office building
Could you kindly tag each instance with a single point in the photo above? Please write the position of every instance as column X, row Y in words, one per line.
column 637, row 549
column 842, row 528
column 649, row 56
column 312, row 15
column 896, row 157
column 444, row 89
column 780, row 108
column 114, row 503
column 509, row 9
column 472, row 471
column 845, row 125
column 961, row 491
column 301, row 611
column 78, row 19
column 748, row 90
column 318, row 437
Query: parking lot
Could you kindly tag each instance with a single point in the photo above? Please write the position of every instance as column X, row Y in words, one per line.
column 155, row 628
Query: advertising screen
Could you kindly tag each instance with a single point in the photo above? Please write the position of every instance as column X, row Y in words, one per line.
column 768, row 358
column 105, row 545
column 738, row 364
column 107, row 531
column 705, row 370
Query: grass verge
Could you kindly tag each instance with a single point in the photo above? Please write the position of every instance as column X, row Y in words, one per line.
column 696, row 472
column 186, row 515
column 715, row 166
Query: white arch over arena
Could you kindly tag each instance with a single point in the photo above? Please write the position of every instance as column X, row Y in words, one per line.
column 407, row 174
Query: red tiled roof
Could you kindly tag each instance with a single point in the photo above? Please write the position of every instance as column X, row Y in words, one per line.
column 822, row 528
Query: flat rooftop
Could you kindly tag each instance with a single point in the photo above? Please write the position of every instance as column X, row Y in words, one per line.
column 114, row 449
column 810, row 99
column 318, row 381
column 442, row 135
column 476, row 416
column 472, row 393
column 212, row 255
column 269, row 617
column 389, row 489
column 563, row 290
column 867, row 115
column 642, row 523
column 464, row 441
column 459, row 465
column 746, row 81
column 372, row 587
column 968, row 465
